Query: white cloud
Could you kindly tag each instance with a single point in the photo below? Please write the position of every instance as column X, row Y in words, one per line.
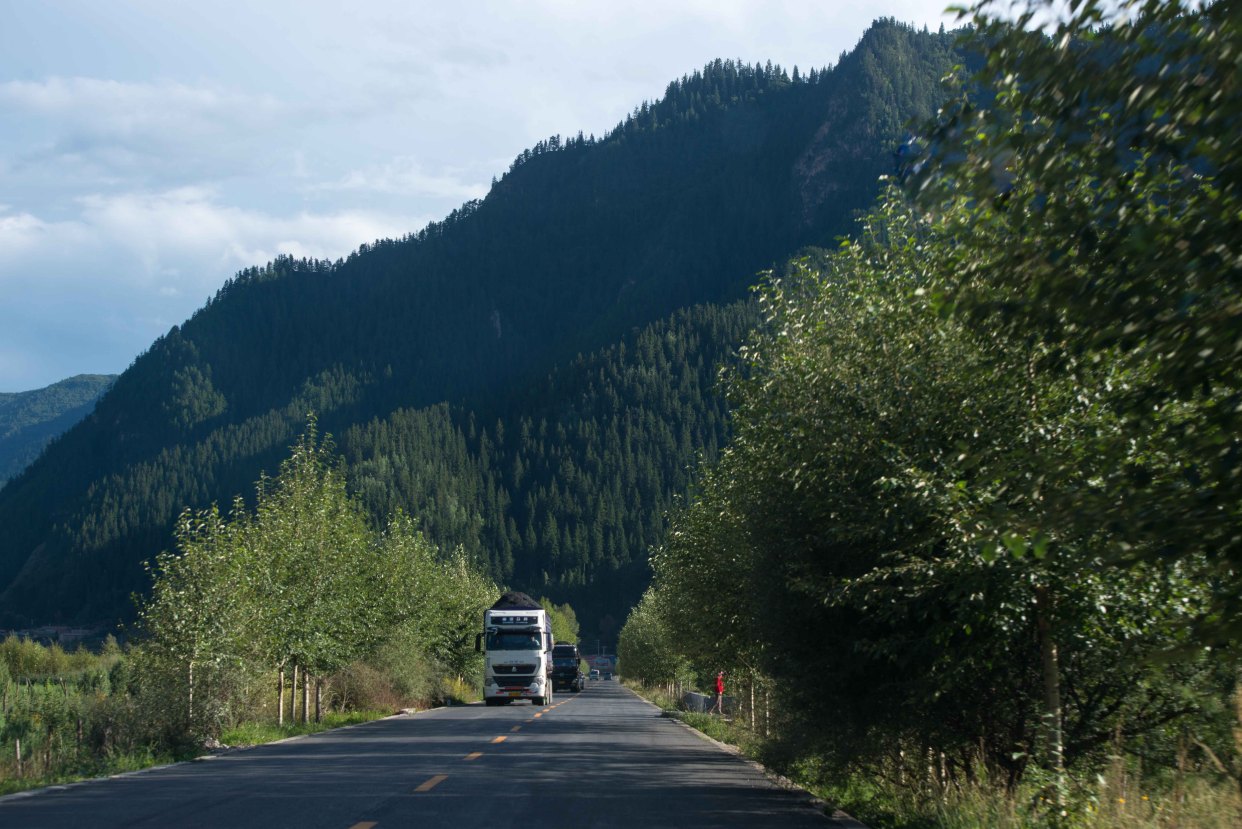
column 113, row 108
column 115, row 128
column 405, row 175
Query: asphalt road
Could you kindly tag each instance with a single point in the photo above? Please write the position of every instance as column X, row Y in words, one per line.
column 601, row 758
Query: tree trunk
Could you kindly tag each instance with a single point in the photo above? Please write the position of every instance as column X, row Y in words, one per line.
column 767, row 711
column 1179, row 782
column 1236, row 770
column 318, row 699
column 280, row 697
column 19, row 758
column 293, row 696
column 1054, row 746
column 305, row 697
column 190, row 707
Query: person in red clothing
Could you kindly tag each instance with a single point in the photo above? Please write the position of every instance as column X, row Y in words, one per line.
column 719, row 709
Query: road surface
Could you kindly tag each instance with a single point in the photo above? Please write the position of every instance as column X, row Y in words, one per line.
column 601, row 758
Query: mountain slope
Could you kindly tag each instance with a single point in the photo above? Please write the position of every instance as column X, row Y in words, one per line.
column 30, row 420
column 565, row 490
column 578, row 243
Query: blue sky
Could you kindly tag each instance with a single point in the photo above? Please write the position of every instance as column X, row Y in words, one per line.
column 150, row 150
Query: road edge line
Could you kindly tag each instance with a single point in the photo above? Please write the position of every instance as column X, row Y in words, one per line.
column 215, row 755
column 836, row 816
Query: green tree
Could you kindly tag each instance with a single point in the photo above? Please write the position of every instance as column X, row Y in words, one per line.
column 1105, row 157
column 648, row 649
column 197, row 616
column 316, row 573
column 564, row 621
column 859, row 529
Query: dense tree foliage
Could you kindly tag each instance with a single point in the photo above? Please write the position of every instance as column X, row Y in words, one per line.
column 979, row 499
column 579, row 243
column 301, row 583
column 1111, row 168
column 564, row 621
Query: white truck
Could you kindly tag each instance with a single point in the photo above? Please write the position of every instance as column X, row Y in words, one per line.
column 517, row 646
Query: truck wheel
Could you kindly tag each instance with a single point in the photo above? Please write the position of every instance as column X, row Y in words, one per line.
column 536, row 700
column 491, row 702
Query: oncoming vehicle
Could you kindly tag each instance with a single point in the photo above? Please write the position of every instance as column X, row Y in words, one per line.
column 518, row 653
column 594, row 673
column 567, row 668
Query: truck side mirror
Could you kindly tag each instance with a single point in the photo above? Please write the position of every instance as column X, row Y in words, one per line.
column 478, row 643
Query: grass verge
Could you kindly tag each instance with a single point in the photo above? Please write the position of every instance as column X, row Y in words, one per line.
column 104, row 767
column 1114, row 801
column 244, row 735
column 253, row 734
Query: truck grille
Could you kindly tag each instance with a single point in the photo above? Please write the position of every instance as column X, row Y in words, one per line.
column 513, row 676
column 514, row 681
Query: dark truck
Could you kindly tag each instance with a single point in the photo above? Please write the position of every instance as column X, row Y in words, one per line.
column 567, row 668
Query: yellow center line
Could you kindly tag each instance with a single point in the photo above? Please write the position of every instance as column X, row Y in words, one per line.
column 540, row 714
column 516, row 728
column 474, row 755
column 366, row 824
column 500, row 739
column 430, row 784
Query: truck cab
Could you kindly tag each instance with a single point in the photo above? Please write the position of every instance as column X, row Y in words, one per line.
column 517, row 646
column 567, row 668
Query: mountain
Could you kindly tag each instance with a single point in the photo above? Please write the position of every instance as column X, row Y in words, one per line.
column 30, row 420
column 531, row 311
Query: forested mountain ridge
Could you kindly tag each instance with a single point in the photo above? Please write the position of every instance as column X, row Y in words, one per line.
column 29, row 420
column 579, row 243
column 566, row 489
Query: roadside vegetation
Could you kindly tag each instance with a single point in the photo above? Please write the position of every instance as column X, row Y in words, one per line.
column 971, row 556
column 288, row 618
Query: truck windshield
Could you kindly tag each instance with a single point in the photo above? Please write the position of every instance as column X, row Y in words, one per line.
column 501, row 641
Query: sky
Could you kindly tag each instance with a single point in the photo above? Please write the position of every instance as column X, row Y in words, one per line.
column 151, row 150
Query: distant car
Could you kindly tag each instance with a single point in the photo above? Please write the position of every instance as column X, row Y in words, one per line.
column 608, row 675
column 595, row 673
